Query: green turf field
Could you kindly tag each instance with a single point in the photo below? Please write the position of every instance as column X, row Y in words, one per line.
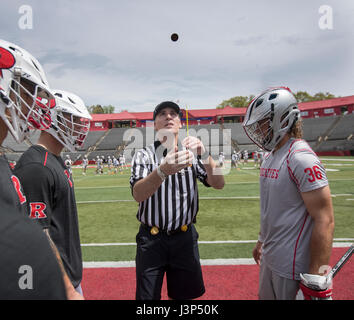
column 107, row 211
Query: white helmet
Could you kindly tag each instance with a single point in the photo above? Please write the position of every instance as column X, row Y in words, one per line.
column 25, row 98
column 70, row 120
column 278, row 107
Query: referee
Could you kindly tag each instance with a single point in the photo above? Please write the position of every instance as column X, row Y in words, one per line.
column 164, row 182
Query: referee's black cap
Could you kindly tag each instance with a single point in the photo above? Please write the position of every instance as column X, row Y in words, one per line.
column 167, row 104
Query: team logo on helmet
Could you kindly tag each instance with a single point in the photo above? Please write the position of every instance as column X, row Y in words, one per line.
column 7, row 60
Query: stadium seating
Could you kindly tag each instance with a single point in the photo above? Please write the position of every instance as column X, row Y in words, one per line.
column 331, row 133
column 344, row 128
column 92, row 138
column 113, row 139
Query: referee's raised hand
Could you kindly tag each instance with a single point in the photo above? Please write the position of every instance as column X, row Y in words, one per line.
column 176, row 160
column 194, row 144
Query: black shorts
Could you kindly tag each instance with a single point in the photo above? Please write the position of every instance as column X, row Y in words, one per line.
column 177, row 255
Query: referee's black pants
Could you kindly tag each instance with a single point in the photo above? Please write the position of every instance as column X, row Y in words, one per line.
column 175, row 254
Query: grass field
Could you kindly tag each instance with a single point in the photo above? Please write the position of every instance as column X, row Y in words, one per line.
column 107, row 211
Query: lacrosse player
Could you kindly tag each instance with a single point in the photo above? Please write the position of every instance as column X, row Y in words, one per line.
column 296, row 229
column 84, row 164
column 25, row 102
column 68, row 162
column 49, row 186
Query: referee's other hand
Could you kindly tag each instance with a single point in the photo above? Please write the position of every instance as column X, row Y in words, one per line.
column 194, row 144
column 176, row 160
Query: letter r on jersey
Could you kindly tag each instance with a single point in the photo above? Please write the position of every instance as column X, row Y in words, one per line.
column 37, row 210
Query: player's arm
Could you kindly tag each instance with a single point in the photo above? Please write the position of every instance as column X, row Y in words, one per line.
column 319, row 206
column 71, row 293
column 315, row 284
column 310, row 177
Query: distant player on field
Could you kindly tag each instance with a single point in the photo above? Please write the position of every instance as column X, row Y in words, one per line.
column 221, row 159
column 84, row 165
column 234, row 159
column 99, row 169
column 245, row 156
column 256, row 158
column 122, row 161
column 261, row 157
column 115, row 164
column 296, row 229
column 109, row 164
column 68, row 162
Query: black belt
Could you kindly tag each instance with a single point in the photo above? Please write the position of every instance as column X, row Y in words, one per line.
column 155, row 230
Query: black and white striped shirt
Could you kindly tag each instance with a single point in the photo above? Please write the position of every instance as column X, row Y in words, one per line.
column 175, row 203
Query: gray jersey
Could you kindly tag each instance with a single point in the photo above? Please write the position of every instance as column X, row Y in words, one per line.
column 286, row 226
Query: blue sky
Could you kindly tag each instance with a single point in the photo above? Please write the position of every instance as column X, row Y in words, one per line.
column 119, row 52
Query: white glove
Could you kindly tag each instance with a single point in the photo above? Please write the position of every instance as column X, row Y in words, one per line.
column 314, row 287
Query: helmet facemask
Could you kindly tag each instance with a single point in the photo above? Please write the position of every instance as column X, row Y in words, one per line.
column 261, row 132
column 70, row 120
column 25, row 97
column 27, row 106
column 270, row 116
column 71, row 130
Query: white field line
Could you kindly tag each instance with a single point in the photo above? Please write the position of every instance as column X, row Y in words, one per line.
column 341, row 244
column 104, row 201
column 336, row 243
column 340, row 164
column 133, row 243
column 128, row 186
column 108, row 244
column 334, row 159
column 204, row 262
column 229, row 183
column 200, row 198
column 103, row 187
